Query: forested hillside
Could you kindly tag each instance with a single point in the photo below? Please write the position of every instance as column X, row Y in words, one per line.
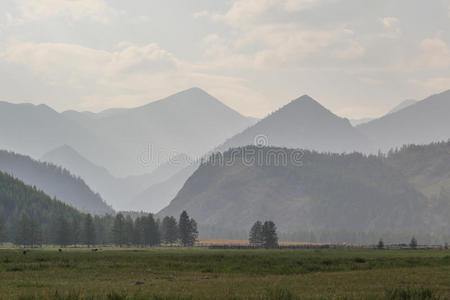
column 28, row 215
column 334, row 192
column 54, row 181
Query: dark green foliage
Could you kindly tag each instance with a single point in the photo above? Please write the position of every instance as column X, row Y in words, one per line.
column 146, row 231
column 62, row 231
column 169, row 230
column 32, row 219
column 256, row 237
column 187, row 230
column 413, row 243
column 380, row 244
column 118, row 230
column 89, row 236
column 269, row 233
column 28, row 231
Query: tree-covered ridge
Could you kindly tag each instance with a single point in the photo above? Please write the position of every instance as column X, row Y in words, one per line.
column 325, row 192
column 54, row 181
column 22, row 203
column 29, row 217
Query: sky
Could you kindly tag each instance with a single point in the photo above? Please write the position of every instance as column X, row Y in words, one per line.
column 359, row 58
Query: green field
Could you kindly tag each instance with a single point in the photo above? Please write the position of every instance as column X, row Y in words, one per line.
column 224, row 274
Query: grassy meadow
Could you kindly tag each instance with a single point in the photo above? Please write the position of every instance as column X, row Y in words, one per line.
column 224, row 274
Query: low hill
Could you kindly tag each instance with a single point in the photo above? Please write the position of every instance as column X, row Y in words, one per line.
column 54, row 181
column 347, row 192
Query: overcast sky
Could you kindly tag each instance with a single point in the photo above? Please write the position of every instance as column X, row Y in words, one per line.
column 357, row 57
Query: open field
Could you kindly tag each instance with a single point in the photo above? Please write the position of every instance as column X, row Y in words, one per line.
column 224, row 274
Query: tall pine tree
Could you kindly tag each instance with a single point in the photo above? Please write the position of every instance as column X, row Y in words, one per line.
column 89, row 236
column 187, row 230
column 256, row 237
column 270, row 235
column 169, row 230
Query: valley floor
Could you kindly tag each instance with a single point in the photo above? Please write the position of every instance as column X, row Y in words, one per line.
column 224, row 274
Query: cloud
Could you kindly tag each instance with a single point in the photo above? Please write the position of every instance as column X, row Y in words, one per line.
column 435, row 54
column 94, row 10
column 297, row 5
column 244, row 11
column 128, row 76
column 391, row 28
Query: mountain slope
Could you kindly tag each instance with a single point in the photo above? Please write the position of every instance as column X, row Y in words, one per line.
column 17, row 199
column 326, row 191
column 116, row 191
column 425, row 122
column 34, row 129
column 157, row 196
column 402, row 105
column 124, row 141
column 54, row 181
column 191, row 122
column 303, row 123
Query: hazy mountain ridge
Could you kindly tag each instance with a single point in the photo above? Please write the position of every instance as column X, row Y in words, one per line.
column 118, row 192
column 424, row 122
column 17, row 199
column 124, row 141
column 54, row 181
column 349, row 192
column 303, row 123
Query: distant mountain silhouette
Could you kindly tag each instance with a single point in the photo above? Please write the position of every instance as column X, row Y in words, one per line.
column 402, row 105
column 421, row 123
column 303, row 123
column 116, row 191
column 54, row 181
column 350, row 192
column 157, row 196
column 125, row 141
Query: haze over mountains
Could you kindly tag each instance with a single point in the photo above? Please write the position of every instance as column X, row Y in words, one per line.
column 424, row 122
column 303, row 123
column 54, row 181
column 336, row 192
column 124, row 141
column 120, row 192
column 105, row 148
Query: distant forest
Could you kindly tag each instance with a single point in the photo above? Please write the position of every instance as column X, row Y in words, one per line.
column 28, row 217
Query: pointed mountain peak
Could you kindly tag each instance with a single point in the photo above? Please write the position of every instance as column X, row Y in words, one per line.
column 64, row 150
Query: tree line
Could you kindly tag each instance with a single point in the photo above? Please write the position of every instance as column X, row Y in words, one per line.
column 118, row 230
column 263, row 235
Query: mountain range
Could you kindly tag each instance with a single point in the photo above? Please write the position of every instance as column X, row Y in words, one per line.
column 128, row 155
column 125, row 141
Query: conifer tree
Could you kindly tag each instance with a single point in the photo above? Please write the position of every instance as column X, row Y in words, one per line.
column 256, row 234
column 169, row 230
column 187, row 229
column 118, row 230
column 413, row 243
column 270, row 235
column 89, row 236
column 62, row 231
column 380, row 244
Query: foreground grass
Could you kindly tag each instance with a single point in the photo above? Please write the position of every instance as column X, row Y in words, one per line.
column 224, row 274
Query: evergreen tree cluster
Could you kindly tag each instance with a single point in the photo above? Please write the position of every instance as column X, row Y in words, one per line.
column 263, row 235
column 28, row 217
